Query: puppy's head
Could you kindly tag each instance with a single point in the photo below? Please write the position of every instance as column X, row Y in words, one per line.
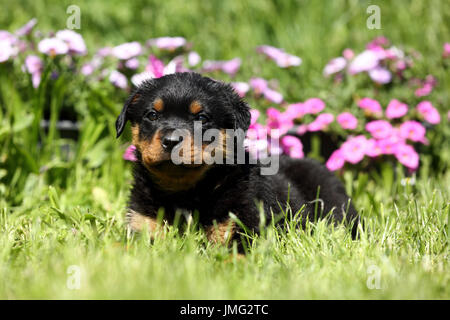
column 164, row 113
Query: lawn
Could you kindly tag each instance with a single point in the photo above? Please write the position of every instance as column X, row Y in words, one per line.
column 62, row 200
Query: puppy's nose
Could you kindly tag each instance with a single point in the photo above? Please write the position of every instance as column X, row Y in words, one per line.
column 170, row 141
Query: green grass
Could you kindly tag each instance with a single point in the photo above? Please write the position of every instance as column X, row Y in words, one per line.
column 60, row 209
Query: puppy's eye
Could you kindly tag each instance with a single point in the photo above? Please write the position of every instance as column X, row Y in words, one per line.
column 152, row 115
column 202, row 117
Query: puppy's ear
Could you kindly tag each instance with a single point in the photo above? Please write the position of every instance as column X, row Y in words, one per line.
column 123, row 116
column 242, row 119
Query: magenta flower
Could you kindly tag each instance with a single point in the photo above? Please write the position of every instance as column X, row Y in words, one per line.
column 379, row 129
column 53, row 47
column 302, row 129
column 273, row 96
column 194, row 58
column 334, row 66
column 380, row 75
column 259, row 85
column 396, row 109
column 73, row 40
column 347, row 120
column 118, row 79
column 321, row 122
column 167, row 43
column 314, row 105
column 365, row 61
column 413, row 130
column 292, row 146
column 26, row 29
column 370, row 105
column 407, row 156
column 428, row 112
column 154, row 69
column 104, row 52
column 127, row 50
column 281, row 58
column 129, row 153
column 354, row 149
column 336, row 160
column 446, row 52
column 241, row 88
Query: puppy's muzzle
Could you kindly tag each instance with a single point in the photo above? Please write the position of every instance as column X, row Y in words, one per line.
column 169, row 141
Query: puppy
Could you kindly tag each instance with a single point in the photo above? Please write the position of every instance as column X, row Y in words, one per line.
column 214, row 182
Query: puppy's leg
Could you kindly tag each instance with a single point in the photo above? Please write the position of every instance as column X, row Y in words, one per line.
column 138, row 222
column 221, row 233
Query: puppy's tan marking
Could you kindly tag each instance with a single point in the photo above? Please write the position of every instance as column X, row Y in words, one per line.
column 195, row 107
column 158, row 105
column 138, row 222
column 152, row 151
column 221, row 233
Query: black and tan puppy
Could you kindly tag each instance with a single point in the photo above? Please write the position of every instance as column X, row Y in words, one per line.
column 158, row 108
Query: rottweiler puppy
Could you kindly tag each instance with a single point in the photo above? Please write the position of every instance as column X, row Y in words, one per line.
column 188, row 132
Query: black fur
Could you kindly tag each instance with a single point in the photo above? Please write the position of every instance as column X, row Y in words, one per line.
column 225, row 188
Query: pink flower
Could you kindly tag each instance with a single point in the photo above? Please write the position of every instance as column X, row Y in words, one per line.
column 354, row 149
column 230, row 67
column 132, row 64
column 348, row 54
column 129, row 153
column 279, row 121
column 273, row 96
column 426, row 110
column 378, row 42
column 336, row 160
column 26, row 29
column 87, row 69
column 53, row 46
column 254, row 115
column 259, row 85
column 407, row 156
column 314, row 105
column 292, row 146
column 424, row 91
column 34, row 66
column 347, row 120
column 413, row 130
column 446, row 52
column 104, row 52
column 281, row 58
column 334, row 66
column 373, row 148
column 365, row 61
column 127, row 50
column 296, row 110
column 302, row 129
column 167, row 43
column 118, row 79
column 396, row 109
column 321, row 122
column 370, row 105
column 379, row 129
column 73, row 40
column 380, row 75
column 241, row 88
column 194, row 58
column 154, row 69
column 6, row 50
